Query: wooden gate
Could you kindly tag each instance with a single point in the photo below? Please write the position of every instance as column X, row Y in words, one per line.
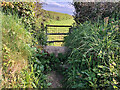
column 55, row 33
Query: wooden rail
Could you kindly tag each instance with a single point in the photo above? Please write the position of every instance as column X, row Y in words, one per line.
column 55, row 41
column 57, row 33
column 58, row 26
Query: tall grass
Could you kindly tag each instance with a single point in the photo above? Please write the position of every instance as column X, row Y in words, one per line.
column 18, row 69
column 94, row 57
column 16, row 41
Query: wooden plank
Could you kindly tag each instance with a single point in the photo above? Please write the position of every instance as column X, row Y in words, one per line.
column 58, row 26
column 54, row 41
column 57, row 33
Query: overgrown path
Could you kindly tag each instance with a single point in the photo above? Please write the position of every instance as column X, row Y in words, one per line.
column 54, row 77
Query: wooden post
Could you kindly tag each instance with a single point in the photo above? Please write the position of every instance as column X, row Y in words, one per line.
column 70, row 30
column 46, row 34
column 42, row 26
column 46, row 30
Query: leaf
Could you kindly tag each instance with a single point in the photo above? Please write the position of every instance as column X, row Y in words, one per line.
column 34, row 85
column 42, row 67
column 49, row 84
column 100, row 66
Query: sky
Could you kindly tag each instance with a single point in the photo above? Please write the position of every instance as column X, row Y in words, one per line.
column 62, row 6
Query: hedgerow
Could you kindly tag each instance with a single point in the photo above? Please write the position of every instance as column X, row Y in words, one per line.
column 85, row 11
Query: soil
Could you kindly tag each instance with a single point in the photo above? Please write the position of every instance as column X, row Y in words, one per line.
column 55, row 79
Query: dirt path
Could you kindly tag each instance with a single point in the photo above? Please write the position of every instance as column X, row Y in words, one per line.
column 55, row 79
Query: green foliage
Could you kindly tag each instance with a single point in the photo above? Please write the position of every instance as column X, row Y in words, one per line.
column 41, row 61
column 94, row 57
column 92, row 11
column 19, row 59
column 23, row 9
column 14, row 36
column 26, row 12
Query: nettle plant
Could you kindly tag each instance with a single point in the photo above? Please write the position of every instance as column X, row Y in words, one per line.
column 94, row 57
